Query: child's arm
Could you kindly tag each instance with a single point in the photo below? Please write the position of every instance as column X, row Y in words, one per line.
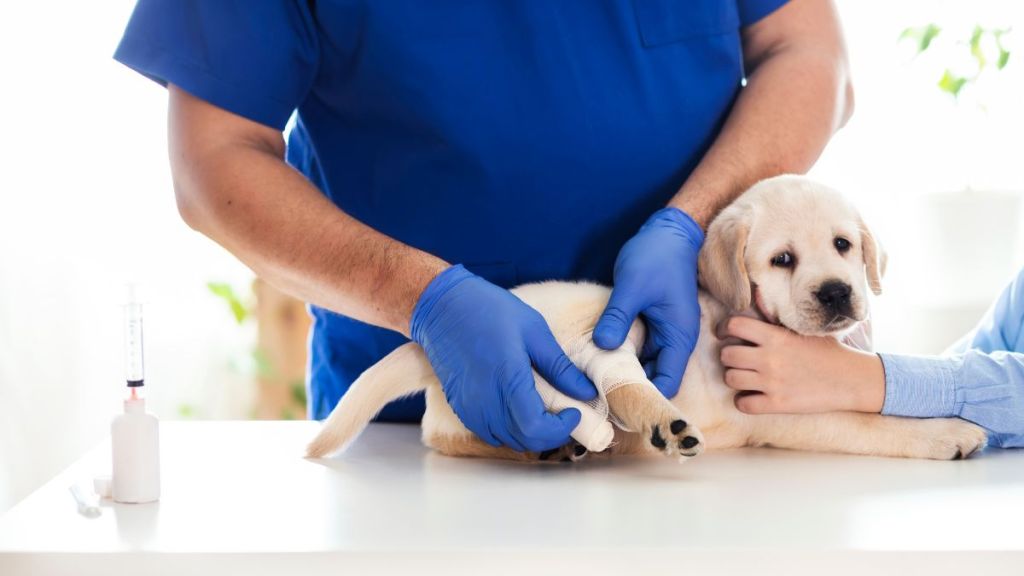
column 790, row 373
column 986, row 388
column 981, row 379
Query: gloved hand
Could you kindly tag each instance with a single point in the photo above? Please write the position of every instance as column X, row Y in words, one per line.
column 482, row 341
column 656, row 276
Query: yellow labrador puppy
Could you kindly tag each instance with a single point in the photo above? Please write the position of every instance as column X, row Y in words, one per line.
column 789, row 250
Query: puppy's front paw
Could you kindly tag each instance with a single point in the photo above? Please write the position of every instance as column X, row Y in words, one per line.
column 950, row 439
column 673, row 437
column 640, row 408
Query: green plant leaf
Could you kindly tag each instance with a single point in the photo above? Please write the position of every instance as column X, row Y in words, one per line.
column 922, row 35
column 298, row 391
column 952, row 83
column 930, row 32
column 976, row 51
column 225, row 292
column 1004, row 54
column 1004, row 57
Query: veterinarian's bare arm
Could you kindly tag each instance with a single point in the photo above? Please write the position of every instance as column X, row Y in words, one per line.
column 232, row 184
column 798, row 94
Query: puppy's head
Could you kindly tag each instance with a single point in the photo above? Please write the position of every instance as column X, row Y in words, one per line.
column 797, row 252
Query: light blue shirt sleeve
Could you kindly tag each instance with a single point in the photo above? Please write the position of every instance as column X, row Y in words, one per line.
column 981, row 379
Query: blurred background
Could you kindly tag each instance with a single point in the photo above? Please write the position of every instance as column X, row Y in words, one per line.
column 933, row 156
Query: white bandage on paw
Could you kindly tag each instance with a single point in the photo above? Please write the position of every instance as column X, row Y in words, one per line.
column 594, row 431
column 609, row 370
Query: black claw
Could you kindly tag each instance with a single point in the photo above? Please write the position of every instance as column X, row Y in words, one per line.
column 579, row 450
column 689, row 442
column 656, row 440
column 677, row 426
column 548, row 453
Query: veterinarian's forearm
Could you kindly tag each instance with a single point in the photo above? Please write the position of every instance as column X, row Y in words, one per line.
column 232, row 184
column 798, row 94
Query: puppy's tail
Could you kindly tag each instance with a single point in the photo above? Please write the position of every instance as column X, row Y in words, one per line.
column 403, row 372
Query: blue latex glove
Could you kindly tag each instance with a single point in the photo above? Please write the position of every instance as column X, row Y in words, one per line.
column 656, row 276
column 482, row 342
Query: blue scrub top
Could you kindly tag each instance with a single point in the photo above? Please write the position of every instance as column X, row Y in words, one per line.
column 525, row 139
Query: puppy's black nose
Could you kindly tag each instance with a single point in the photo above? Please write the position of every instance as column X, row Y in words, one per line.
column 835, row 296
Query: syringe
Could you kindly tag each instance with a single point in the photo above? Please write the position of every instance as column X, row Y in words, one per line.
column 134, row 435
column 133, row 364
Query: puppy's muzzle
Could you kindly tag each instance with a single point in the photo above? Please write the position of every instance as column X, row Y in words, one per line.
column 834, row 297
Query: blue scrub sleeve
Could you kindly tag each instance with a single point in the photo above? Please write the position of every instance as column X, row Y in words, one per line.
column 255, row 59
column 753, row 10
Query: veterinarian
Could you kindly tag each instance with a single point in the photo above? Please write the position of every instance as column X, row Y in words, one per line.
column 980, row 378
column 444, row 151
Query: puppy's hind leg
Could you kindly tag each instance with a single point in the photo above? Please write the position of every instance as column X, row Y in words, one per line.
column 470, row 445
column 869, row 434
column 444, row 432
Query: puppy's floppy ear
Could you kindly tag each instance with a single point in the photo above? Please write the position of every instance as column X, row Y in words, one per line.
column 721, row 266
column 875, row 258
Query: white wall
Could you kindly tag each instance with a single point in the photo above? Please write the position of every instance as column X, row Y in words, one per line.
column 907, row 139
column 86, row 204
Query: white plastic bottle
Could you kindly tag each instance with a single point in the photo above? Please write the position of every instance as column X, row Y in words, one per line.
column 135, row 442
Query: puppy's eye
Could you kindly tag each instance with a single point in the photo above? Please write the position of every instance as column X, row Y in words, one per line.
column 784, row 260
column 841, row 244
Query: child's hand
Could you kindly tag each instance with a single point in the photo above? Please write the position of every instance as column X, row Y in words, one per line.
column 784, row 372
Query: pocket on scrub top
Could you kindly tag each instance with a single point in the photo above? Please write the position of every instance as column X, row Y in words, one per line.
column 667, row 21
